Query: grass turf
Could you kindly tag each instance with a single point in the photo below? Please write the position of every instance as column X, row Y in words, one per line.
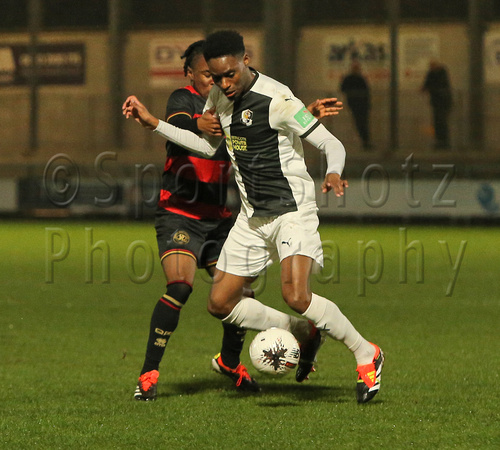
column 70, row 351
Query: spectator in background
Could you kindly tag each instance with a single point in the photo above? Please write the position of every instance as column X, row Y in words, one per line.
column 437, row 84
column 357, row 91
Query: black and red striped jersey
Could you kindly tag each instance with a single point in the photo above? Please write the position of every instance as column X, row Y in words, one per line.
column 193, row 186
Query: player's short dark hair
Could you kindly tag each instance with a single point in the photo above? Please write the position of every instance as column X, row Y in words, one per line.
column 195, row 49
column 223, row 43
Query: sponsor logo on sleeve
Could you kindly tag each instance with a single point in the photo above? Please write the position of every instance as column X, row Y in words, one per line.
column 304, row 117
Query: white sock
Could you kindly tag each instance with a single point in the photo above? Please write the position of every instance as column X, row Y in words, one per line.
column 328, row 317
column 251, row 314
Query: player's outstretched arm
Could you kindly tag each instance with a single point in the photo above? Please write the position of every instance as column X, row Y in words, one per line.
column 132, row 107
column 325, row 107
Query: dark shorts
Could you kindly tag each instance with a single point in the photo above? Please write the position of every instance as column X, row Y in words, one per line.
column 200, row 239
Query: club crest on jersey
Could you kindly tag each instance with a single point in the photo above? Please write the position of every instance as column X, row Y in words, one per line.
column 181, row 237
column 246, row 117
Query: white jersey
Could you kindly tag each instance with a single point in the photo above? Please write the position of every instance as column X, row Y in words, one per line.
column 263, row 130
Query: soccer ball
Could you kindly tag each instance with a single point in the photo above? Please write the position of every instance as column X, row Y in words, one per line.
column 274, row 351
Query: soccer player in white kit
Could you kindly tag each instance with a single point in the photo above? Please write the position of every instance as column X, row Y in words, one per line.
column 264, row 123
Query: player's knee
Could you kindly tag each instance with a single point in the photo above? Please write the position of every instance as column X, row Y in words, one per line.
column 296, row 298
column 179, row 290
column 218, row 307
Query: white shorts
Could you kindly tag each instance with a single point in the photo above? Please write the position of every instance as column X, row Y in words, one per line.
column 255, row 243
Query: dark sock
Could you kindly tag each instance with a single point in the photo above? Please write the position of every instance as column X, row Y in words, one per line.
column 164, row 322
column 232, row 344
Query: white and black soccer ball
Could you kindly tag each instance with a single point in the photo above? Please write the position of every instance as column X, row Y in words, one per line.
column 274, row 351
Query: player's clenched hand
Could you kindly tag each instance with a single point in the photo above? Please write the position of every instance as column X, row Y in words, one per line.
column 333, row 181
column 325, row 107
column 209, row 123
column 132, row 107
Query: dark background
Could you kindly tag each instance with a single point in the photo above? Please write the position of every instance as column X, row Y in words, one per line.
column 59, row 14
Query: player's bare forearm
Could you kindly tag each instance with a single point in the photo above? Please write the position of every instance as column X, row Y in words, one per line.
column 333, row 181
column 132, row 107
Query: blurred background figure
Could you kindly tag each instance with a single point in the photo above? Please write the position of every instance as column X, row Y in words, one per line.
column 437, row 84
column 356, row 89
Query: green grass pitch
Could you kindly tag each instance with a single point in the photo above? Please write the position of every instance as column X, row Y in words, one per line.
column 73, row 330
